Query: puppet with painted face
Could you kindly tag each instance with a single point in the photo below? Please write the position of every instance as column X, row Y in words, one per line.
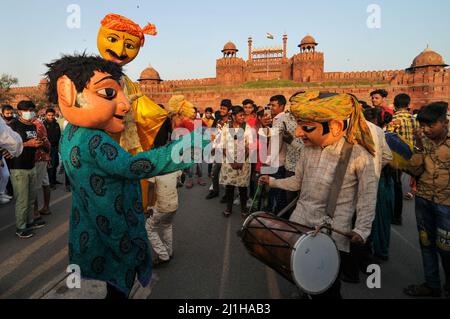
column 108, row 239
column 120, row 40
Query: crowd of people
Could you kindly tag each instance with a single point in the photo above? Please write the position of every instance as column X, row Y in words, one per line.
column 292, row 180
column 405, row 141
column 35, row 169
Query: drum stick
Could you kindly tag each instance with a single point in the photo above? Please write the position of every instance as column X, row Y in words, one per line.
column 335, row 231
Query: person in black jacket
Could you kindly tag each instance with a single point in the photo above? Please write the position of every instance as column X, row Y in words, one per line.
column 54, row 135
column 23, row 172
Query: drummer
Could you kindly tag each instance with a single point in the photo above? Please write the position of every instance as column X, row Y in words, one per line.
column 325, row 122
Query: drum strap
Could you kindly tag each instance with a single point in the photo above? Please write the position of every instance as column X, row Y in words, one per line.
column 341, row 169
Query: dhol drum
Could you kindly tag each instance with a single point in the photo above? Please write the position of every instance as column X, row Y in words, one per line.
column 311, row 262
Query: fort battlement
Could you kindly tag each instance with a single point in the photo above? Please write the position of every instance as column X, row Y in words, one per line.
column 427, row 79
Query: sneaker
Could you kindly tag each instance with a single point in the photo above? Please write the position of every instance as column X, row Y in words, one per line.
column 4, row 200
column 237, row 202
column 6, row 196
column 24, row 234
column 37, row 224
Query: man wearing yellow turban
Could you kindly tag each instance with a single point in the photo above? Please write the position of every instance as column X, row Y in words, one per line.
column 120, row 40
column 331, row 127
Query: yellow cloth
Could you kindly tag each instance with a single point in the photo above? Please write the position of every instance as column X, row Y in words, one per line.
column 179, row 105
column 148, row 116
column 309, row 107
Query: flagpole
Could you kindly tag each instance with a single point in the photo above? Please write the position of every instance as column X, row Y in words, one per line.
column 270, row 37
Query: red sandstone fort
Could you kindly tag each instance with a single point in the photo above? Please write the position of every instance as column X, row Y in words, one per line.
column 269, row 71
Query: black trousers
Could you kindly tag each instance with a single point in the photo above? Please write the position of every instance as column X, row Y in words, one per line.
column 210, row 168
column 215, row 177
column 54, row 165
column 242, row 196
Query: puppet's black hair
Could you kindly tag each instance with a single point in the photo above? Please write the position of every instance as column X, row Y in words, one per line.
column 79, row 68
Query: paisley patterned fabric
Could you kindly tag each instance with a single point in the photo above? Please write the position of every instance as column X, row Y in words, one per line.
column 107, row 237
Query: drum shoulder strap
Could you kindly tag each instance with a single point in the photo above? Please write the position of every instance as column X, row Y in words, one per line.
column 341, row 169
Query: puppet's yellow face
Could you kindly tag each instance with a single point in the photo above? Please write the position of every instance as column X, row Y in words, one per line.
column 117, row 46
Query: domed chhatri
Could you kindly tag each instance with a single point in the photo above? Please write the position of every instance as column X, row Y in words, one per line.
column 308, row 40
column 428, row 58
column 150, row 74
column 230, row 46
column 308, row 43
column 230, row 50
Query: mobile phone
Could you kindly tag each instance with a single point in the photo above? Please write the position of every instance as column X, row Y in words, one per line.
column 267, row 110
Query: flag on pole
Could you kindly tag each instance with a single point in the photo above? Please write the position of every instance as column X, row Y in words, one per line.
column 269, row 36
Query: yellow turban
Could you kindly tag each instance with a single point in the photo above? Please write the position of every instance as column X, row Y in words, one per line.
column 310, row 107
column 179, row 105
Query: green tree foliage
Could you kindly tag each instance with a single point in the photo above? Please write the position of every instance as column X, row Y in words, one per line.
column 6, row 81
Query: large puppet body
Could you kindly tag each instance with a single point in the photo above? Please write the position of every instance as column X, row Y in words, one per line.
column 107, row 233
column 119, row 40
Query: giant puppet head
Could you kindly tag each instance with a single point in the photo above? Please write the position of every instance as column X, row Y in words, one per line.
column 120, row 39
column 324, row 118
column 88, row 92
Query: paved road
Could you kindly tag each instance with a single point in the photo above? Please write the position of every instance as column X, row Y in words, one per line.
column 210, row 261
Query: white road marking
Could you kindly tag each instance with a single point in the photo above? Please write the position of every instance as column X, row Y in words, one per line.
column 394, row 231
column 226, row 261
column 39, row 270
column 14, row 261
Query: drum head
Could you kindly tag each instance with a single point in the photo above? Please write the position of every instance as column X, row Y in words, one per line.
column 315, row 263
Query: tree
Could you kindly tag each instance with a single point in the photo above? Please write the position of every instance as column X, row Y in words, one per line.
column 6, row 81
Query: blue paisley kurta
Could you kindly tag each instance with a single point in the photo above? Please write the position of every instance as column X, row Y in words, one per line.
column 107, row 237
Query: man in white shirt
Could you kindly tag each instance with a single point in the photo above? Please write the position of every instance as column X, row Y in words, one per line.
column 277, row 149
column 325, row 123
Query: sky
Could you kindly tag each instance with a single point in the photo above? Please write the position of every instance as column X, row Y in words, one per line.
column 191, row 34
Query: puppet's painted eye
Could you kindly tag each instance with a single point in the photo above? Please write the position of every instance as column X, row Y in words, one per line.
column 129, row 46
column 107, row 93
column 309, row 129
column 112, row 39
